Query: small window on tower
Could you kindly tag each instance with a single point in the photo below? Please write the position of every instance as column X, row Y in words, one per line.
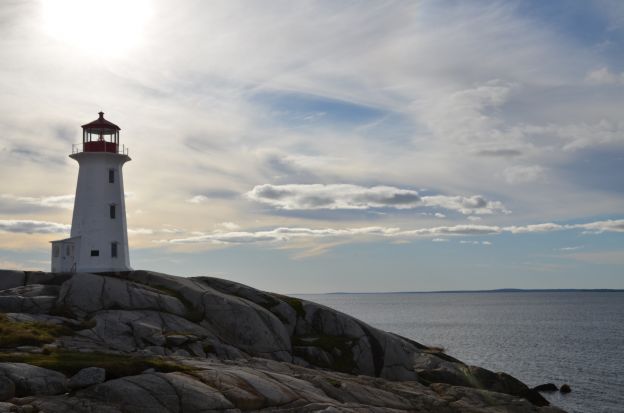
column 112, row 211
column 114, row 249
column 95, row 253
column 56, row 251
column 111, row 176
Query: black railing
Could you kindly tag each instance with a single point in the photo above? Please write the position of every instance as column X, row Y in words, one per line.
column 100, row 146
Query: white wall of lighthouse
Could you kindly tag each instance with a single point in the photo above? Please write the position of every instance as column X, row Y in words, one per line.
column 100, row 213
column 99, row 232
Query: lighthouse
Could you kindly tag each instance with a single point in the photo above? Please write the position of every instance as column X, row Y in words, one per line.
column 99, row 233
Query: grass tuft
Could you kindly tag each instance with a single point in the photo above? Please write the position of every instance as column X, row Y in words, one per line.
column 15, row 333
column 336, row 383
column 116, row 365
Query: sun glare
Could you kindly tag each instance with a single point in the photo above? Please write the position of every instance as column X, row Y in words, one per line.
column 101, row 27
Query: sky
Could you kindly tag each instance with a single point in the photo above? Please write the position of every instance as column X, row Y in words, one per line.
column 319, row 146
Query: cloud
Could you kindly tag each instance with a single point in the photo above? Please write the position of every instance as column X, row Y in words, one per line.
column 335, row 196
column 502, row 152
column 198, row 199
column 467, row 205
column 603, row 76
column 55, row 201
column 533, row 228
column 170, row 229
column 570, row 248
column 229, row 225
column 611, row 225
column 522, row 174
column 475, row 242
column 166, row 229
column 285, row 234
column 140, row 231
column 452, row 230
column 578, row 135
column 288, row 234
column 280, row 234
column 355, row 197
column 33, row 227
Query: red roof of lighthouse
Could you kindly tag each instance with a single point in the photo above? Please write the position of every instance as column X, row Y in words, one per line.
column 101, row 124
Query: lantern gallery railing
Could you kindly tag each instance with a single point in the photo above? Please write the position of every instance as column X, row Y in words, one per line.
column 100, row 146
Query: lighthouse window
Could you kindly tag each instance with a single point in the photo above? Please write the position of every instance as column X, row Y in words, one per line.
column 111, row 176
column 112, row 211
column 95, row 253
column 114, row 249
column 56, row 251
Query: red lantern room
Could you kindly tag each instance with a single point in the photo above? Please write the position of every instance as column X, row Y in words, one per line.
column 101, row 136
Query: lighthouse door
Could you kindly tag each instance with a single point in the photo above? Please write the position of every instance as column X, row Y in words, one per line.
column 68, row 257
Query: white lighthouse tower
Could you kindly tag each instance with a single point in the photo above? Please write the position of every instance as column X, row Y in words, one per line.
column 99, row 233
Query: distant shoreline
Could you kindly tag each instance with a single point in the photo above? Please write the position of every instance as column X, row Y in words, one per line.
column 500, row 290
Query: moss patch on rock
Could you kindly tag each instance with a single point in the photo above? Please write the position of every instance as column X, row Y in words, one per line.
column 339, row 348
column 295, row 303
column 18, row 333
column 116, row 365
column 336, row 383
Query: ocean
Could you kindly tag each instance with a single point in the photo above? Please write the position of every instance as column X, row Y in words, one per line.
column 539, row 337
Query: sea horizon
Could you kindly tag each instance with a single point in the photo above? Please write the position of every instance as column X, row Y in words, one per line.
column 496, row 290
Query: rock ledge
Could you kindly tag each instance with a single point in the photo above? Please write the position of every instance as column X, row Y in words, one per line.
column 150, row 342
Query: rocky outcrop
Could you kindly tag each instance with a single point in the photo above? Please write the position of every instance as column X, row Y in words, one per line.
column 30, row 379
column 546, row 387
column 208, row 344
column 87, row 377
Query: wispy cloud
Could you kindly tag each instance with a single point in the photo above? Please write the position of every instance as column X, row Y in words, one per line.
column 280, row 234
column 604, row 76
column 198, row 199
column 346, row 196
column 610, row 225
column 54, row 201
column 33, row 227
column 285, row 234
column 523, row 173
column 533, row 228
column 475, row 242
column 578, row 247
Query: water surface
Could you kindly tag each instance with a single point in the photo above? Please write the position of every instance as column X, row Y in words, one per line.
column 538, row 337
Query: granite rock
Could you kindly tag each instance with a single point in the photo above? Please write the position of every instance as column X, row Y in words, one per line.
column 87, row 377
column 220, row 345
